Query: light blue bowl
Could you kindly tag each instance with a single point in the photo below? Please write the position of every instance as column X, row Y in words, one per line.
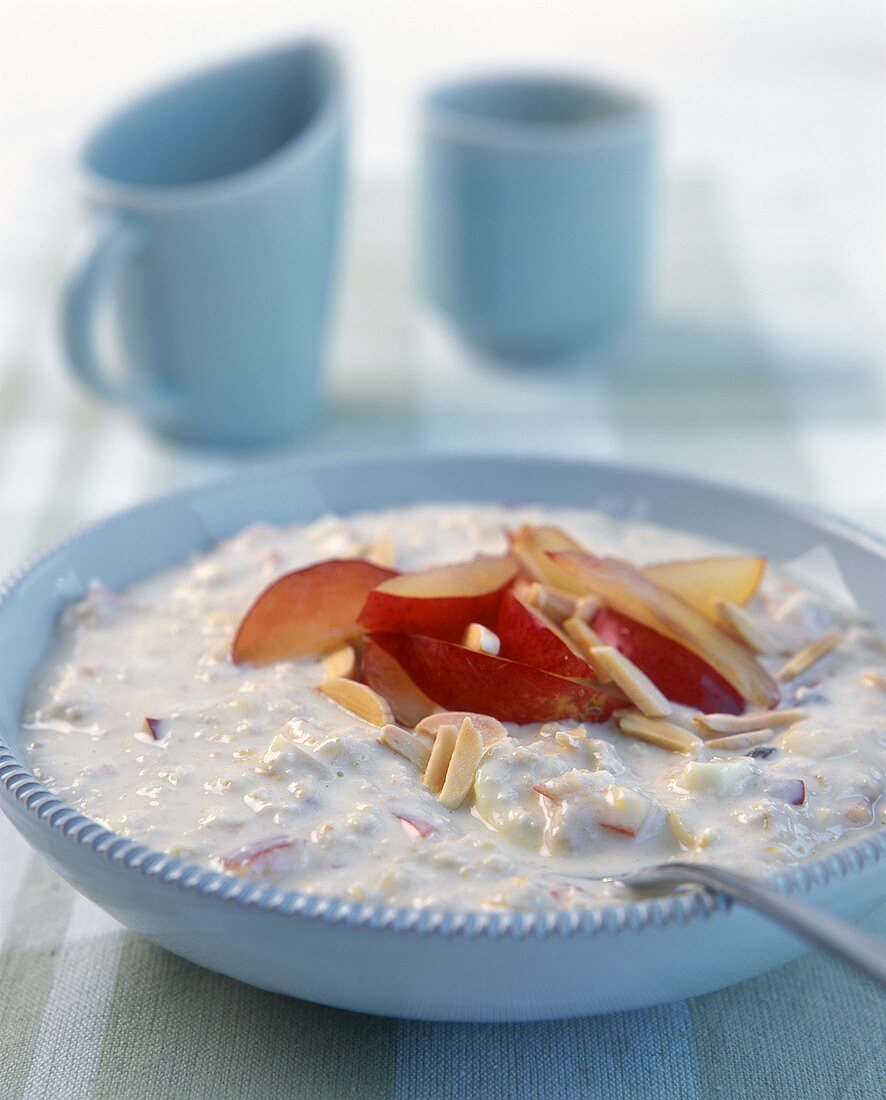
column 431, row 963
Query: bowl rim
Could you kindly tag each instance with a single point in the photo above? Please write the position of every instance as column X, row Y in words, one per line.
column 676, row 907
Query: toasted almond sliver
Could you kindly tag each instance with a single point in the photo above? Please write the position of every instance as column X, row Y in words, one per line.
column 741, row 740
column 585, row 638
column 491, row 730
column 383, row 552
column 686, row 836
column 586, row 607
column 808, row 655
column 462, row 766
column 664, row 734
column 441, row 754
column 414, row 747
column 746, row 723
column 341, row 663
column 739, row 622
column 552, row 602
column 635, row 684
column 358, row 699
column 482, row 640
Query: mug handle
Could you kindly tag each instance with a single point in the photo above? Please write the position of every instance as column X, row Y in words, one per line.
column 90, row 284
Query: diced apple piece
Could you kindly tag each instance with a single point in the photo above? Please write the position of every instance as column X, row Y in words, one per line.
column 528, row 637
column 384, row 674
column 677, row 672
column 630, row 593
column 461, row 679
column 491, row 730
column 415, row 826
column 440, row 602
column 359, row 700
column 700, row 582
column 792, row 791
column 155, row 727
column 306, row 613
column 717, row 777
column 270, row 856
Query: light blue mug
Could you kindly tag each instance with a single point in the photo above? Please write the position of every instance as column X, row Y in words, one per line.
column 535, row 210
column 218, row 202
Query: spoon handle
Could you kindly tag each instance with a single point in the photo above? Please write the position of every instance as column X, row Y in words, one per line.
column 837, row 937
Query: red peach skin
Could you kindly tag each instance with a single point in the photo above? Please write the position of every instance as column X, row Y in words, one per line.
column 385, row 675
column 626, row 590
column 528, row 637
column 307, row 612
column 441, row 602
column 678, row 673
column 463, row 679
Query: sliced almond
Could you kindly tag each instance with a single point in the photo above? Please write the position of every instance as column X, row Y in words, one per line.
column 635, row 684
column 657, row 732
column 341, row 663
column 740, row 740
column 585, row 638
column 482, row 640
column 383, row 552
column 554, row 603
column 441, row 754
column 745, row 723
column 586, row 607
column 358, row 699
column 462, row 766
column 686, row 836
column 804, row 658
column 739, row 622
column 414, row 747
column 491, row 730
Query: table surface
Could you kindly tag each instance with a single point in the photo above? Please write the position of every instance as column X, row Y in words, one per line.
column 759, row 361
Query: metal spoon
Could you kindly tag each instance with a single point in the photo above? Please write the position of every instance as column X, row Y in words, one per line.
column 837, row 937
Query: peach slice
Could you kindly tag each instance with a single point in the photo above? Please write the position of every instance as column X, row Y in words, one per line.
column 308, row 612
column 461, row 679
column 527, row 636
column 386, row 676
column 627, row 591
column 440, row 602
column 678, row 673
column 700, row 582
column 533, row 547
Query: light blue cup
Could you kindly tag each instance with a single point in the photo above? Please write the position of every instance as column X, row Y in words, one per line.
column 535, row 210
column 218, row 203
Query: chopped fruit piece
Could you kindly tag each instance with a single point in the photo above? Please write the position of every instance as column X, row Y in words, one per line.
column 415, row 826
column 413, row 747
column 358, row 699
column 678, row 673
column 441, row 602
column 628, row 592
column 307, row 612
column 441, row 754
column 657, row 732
column 742, row 625
column 482, row 640
column 383, row 552
column 717, row 777
column 686, row 837
column 552, row 603
column 746, row 723
column 341, row 662
column 701, row 581
column 462, row 766
column 526, row 636
column 792, row 791
column 534, row 547
column 386, row 676
column 635, row 684
column 155, row 727
column 460, row 679
column 741, row 740
column 805, row 658
column 491, row 730
column 623, row 810
column 265, row 857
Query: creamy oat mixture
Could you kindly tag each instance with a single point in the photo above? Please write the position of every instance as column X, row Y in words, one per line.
column 252, row 760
